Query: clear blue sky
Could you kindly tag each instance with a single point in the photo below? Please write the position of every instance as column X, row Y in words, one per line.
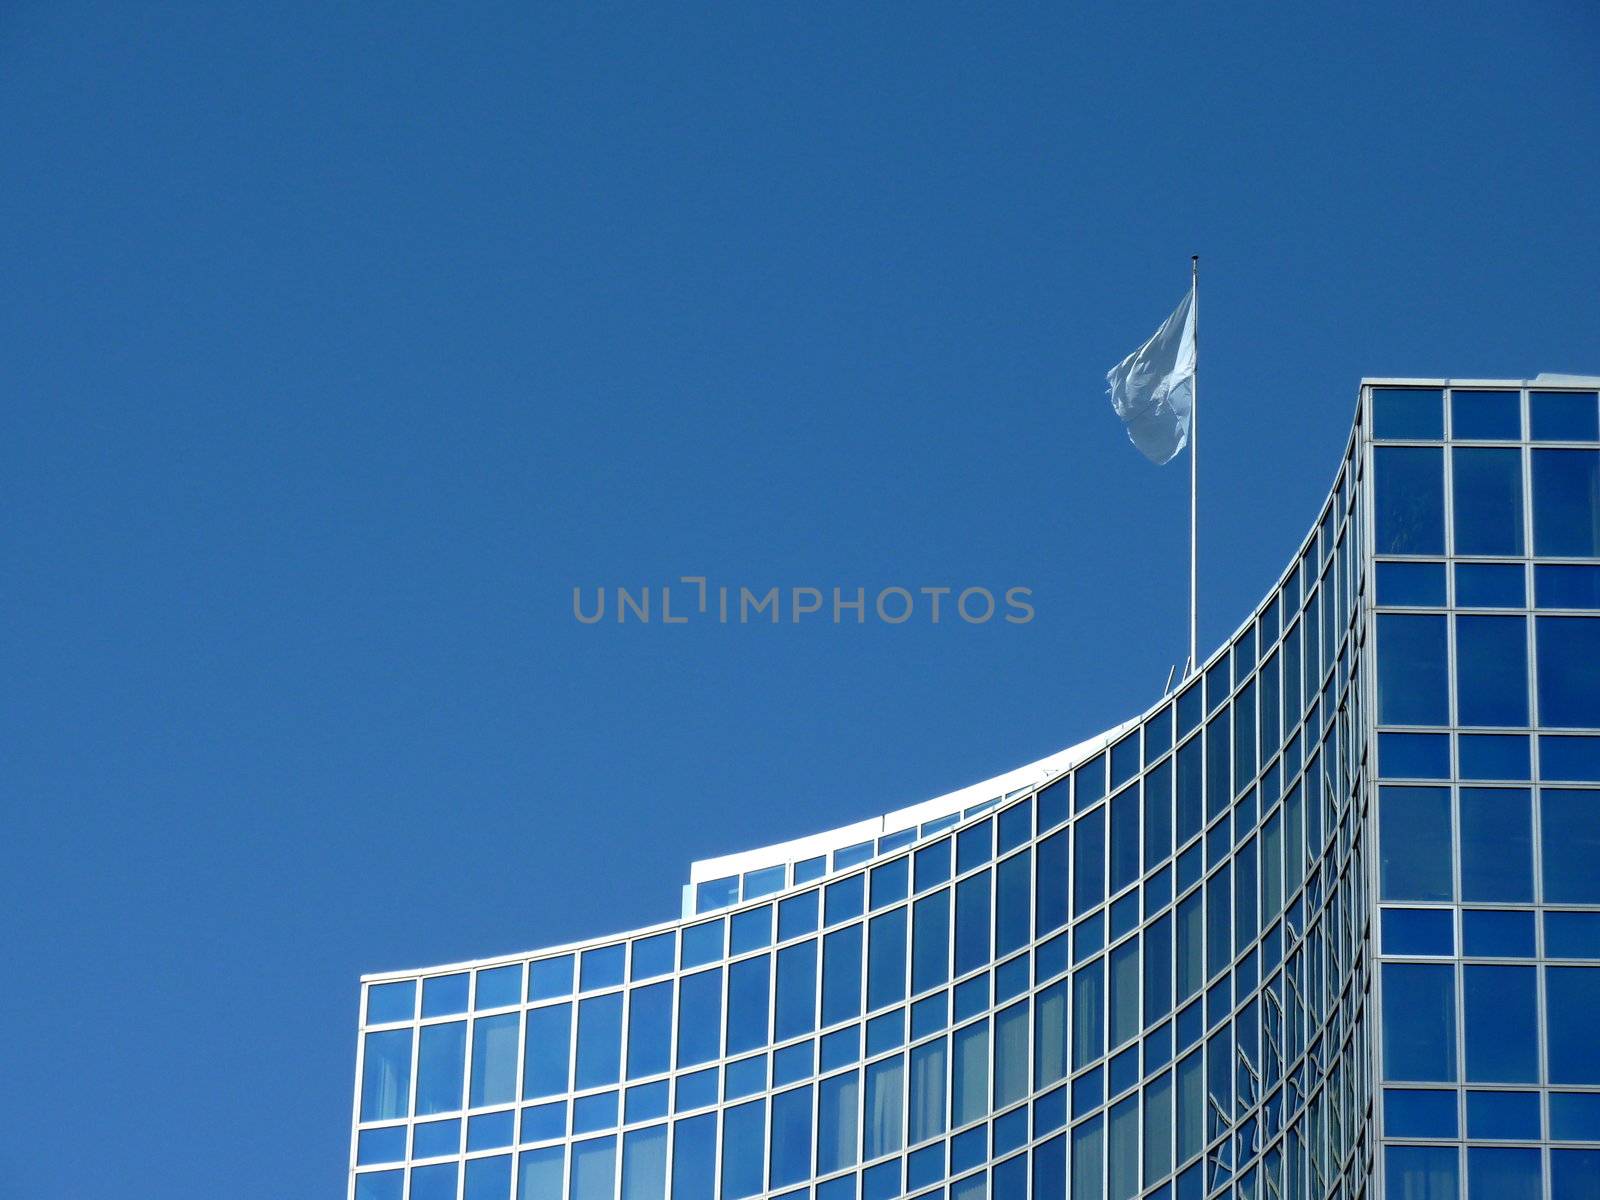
column 338, row 343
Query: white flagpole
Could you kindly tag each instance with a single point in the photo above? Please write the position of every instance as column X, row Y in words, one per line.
column 1194, row 430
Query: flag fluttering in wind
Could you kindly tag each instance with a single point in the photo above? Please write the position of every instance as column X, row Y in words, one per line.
column 1153, row 388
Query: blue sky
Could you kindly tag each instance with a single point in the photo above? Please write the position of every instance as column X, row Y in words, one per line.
column 342, row 342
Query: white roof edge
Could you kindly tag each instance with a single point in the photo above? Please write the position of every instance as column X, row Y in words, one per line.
column 814, row 844
column 1546, row 378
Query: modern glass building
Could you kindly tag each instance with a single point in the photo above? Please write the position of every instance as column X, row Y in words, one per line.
column 1325, row 922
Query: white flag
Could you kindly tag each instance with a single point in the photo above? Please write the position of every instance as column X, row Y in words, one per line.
column 1153, row 388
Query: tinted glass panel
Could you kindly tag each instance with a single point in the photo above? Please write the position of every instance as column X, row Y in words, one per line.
column 1486, row 487
column 1413, row 673
column 1491, row 670
column 1569, row 683
column 1491, row 416
column 1406, row 413
column 1414, row 835
column 1566, row 503
column 1419, row 1022
column 1409, row 500
column 1562, row 416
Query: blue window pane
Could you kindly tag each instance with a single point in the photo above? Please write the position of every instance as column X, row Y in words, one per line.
column 791, row 1137
column 716, row 893
column 540, row 1173
column 489, row 1131
column 1414, row 755
column 1409, row 500
column 1157, row 817
column 1556, row 585
column 1490, row 585
column 932, row 865
column 444, row 994
column 700, row 1018
column 886, row 959
column 1569, row 684
column 433, row 1138
column 694, row 1158
column 441, row 1065
column 750, row 930
column 1486, row 487
column 702, row 944
column 1501, row 1014
column 972, row 923
column 1088, row 861
column 1492, row 933
column 1569, row 758
column 743, row 1150
column 1572, row 997
column 845, row 899
column 1419, row 1022
column 601, row 968
column 386, row 1075
column 1572, row 935
column 1422, row 1172
column 808, row 870
column 1486, row 416
column 1572, row 1174
column 653, row 956
column 1419, row 931
column 1566, row 503
column 838, row 1117
column 594, row 1169
column 696, row 1090
column 1414, row 1113
column 841, row 975
column 1501, row 1173
column 1411, row 584
column 550, row 978
column 498, row 987
column 644, row 1164
column 1013, row 902
column 494, row 1059
column 1413, row 674
column 1496, row 844
column 649, row 1030
column 1569, row 827
column 930, row 965
column 797, row 915
column 599, row 1041
column 380, row 1185
column 749, row 991
column 437, row 1182
column 1408, row 413
column 885, row 1107
column 891, row 882
column 1491, row 670
column 1414, row 841
column 1089, row 783
column 1495, row 756
column 1503, row 1116
column 391, row 1002
column 1575, row 1117
column 384, row 1145
column 1562, row 416
column 541, row 1122
column 797, row 990
column 974, row 846
column 545, row 1051
column 765, row 881
column 489, row 1178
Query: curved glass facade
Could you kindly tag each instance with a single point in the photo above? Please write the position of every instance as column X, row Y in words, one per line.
column 1323, row 923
